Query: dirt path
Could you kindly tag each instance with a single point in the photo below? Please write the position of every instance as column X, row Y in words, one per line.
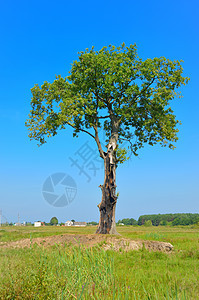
column 107, row 242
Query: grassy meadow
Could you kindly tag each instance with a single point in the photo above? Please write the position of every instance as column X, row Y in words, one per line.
column 76, row 272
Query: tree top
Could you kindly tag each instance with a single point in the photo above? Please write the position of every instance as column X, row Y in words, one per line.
column 114, row 90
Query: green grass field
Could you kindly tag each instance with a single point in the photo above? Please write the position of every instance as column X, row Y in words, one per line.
column 76, row 272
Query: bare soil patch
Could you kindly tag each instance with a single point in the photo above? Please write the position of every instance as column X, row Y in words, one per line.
column 107, row 242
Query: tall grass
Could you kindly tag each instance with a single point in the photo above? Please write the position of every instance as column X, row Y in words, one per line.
column 68, row 272
column 56, row 273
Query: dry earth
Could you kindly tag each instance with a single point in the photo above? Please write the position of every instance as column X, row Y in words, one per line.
column 107, row 242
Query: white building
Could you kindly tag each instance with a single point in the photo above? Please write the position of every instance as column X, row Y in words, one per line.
column 80, row 224
column 68, row 223
column 37, row 224
column 17, row 224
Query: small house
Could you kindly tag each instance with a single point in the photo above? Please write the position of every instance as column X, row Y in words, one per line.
column 68, row 223
column 80, row 224
column 37, row 224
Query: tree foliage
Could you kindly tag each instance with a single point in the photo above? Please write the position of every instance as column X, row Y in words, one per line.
column 127, row 221
column 106, row 85
column 92, row 223
column 170, row 219
column 53, row 221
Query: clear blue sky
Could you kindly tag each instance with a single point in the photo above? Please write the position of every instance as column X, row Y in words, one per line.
column 40, row 39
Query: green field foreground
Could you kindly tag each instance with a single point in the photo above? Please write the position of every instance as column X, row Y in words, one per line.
column 76, row 272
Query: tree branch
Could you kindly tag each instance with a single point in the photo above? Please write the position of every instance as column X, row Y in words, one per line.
column 98, row 143
column 142, row 91
column 96, row 117
column 81, row 130
column 96, row 138
column 150, row 83
column 97, row 96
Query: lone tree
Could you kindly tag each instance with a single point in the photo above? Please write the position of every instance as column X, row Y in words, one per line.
column 53, row 221
column 116, row 91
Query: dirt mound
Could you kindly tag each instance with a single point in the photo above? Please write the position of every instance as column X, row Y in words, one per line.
column 106, row 242
column 127, row 245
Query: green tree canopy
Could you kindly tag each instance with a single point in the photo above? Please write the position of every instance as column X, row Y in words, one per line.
column 127, row 221
column 170, row 219
column 53, row 221
column 112, row 82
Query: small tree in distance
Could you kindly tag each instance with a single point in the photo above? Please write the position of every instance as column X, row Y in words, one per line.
column 114, row 90
column 54, row 221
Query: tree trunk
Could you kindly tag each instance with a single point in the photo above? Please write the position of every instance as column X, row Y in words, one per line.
column 107, row 206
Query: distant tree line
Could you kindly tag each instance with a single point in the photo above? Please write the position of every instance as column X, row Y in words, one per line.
column 162, row 219
column 169, row 219
column 146, row 220
column 92, row 223
column 127, row 222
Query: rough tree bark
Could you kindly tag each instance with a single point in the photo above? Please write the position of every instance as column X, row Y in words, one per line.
column 109, row 199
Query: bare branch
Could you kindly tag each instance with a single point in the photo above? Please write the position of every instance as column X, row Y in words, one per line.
column 82, row 130
column 104, row 117
column 96, row 117
column 96, row 138
column 97, row 96
column 98, row 143
column 150, row 83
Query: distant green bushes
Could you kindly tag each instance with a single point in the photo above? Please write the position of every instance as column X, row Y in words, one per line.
column 127, row 222
column 162, row 220
column 170, row 219
column 92, row 223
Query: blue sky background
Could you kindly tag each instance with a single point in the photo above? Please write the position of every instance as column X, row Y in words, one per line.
column 40, row 39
